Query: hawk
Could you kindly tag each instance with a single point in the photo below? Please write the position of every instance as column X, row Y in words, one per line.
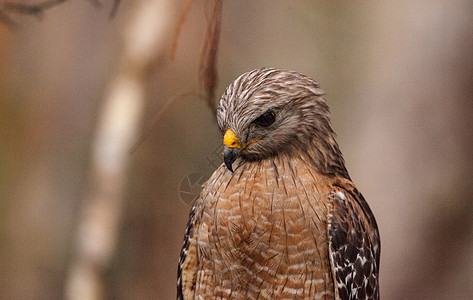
column 280, row 218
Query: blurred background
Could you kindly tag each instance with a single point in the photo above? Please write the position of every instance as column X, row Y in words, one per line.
column 80, row 219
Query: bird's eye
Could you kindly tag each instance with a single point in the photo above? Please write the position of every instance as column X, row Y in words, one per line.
column 265, row 119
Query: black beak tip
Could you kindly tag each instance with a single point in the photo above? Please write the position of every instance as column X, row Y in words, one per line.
column 229, row 156
column 229, row 166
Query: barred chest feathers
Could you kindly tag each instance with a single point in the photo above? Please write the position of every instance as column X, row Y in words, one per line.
column 267, row 228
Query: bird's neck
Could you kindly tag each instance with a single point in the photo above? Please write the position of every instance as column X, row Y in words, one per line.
column 326, row 157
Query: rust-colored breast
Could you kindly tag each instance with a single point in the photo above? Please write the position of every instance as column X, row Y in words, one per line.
column 263, row 233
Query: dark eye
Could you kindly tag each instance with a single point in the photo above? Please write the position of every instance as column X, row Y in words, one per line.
column 265, row 119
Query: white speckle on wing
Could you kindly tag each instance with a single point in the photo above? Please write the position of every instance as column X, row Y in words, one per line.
column 341, row 195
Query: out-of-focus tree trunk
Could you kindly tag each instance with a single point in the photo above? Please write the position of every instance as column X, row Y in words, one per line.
column 118, row 127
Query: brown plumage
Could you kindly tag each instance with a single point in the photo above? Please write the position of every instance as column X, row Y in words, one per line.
column 280, row 219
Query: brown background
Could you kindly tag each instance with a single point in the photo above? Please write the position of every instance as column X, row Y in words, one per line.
column 398, row 77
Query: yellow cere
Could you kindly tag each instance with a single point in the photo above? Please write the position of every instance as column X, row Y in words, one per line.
column 231, row 140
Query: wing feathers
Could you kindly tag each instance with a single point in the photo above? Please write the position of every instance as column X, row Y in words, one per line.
column 188, row 261
column 353, row 245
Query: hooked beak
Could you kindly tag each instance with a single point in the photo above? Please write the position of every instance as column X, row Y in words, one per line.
column 231, row 148
column 229, row 156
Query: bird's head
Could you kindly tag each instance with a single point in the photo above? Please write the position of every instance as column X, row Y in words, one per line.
column 268, row 112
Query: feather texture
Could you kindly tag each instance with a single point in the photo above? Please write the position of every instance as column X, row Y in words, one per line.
column 288, row 223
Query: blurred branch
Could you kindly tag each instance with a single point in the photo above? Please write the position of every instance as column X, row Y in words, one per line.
column 5, row 19
column 38, row 9
column 208, row 62
column 207, row 68
column 117, row 129
column 31, row 9
column 180, row 23
column 208, row 57
column 114, row 9
column 158, row 116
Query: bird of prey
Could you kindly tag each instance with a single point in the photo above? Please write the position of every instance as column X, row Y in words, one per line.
column 280, row 218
